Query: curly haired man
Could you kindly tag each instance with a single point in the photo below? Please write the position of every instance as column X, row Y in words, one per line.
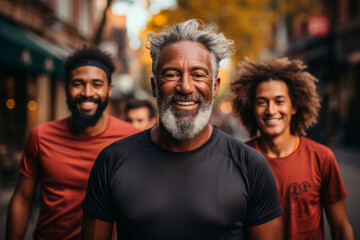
column 278, row 101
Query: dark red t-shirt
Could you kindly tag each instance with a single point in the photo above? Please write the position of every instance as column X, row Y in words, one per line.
column 307, row 179
column 62, row 162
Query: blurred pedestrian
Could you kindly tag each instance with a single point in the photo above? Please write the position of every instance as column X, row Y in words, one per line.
column 60, row 154
column 140, row 113
column 278, row 99
column 183, row 178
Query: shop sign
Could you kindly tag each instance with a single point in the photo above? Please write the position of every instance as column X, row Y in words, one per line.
column 318, row 26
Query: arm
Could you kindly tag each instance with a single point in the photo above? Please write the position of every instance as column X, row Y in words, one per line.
column 338, row 221
column 95, row 229
column 19, row 208
column 272, row 230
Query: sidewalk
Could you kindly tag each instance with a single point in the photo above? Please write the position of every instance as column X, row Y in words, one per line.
column 350, row 155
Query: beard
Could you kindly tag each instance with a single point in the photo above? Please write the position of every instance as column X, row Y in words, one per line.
column 83, row 119
column 183, row 129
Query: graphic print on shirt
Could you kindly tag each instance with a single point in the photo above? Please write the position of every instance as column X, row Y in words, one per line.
column 298, row 194
column 297, row 189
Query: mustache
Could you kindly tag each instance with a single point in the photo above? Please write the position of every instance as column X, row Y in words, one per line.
column 182, row 98
column 80, row 99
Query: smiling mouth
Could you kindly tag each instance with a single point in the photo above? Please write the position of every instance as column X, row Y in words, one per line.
column 87, row 105
column 185, row 103
column 272, row 120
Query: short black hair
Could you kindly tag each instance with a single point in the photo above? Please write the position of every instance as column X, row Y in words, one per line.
column 136, row 103
column 88, row 52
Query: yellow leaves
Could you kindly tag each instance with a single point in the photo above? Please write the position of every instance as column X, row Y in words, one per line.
column 159, row 20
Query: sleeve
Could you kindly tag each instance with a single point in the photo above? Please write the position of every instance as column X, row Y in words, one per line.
column 97, row 202
column 29, row 165
column 333, row 188
column 264, row 204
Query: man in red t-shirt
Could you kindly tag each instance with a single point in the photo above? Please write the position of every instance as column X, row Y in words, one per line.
column 60, row 154
column 278, row 99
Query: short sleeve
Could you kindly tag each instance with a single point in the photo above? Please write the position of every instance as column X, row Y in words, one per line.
column 29, row 165
column 333, row 188
column 97, row 202
column 264, row 204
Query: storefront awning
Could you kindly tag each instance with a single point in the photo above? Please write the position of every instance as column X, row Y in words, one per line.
column 23, row 50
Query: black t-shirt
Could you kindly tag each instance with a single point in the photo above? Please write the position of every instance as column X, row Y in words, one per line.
column 213, row 192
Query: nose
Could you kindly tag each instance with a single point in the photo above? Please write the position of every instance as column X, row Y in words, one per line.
column 185, row 85
column 87, row 90
column 271, row 108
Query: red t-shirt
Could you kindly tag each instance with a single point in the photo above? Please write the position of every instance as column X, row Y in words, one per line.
column 62, row 162
column 307, row 179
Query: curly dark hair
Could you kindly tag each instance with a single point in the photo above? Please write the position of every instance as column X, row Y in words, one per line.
column 301, row 87
column 88, row 52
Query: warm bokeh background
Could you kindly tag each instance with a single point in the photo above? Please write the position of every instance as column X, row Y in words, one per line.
column 36, row 36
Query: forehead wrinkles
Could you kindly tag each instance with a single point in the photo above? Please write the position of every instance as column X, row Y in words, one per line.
column 182, row 50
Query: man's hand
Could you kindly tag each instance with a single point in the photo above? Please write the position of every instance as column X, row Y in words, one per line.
column 19, row 208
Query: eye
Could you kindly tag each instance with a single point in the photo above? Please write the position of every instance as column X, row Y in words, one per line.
column 199, row 76
column 260, row 102
column 279, row 102
column 76, row 84
column 171, row 76
column 98, row 85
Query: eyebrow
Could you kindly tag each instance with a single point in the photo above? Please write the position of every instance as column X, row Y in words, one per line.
column 279, row 96
column 201, row 68
column 169, row 69
column 81, row 79
column 178, row 70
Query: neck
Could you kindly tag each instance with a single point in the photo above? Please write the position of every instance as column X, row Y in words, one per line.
column 98, row 128
column 164, row 139
column 279, row 146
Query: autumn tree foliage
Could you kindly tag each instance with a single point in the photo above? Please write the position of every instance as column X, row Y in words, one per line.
column 248, row 22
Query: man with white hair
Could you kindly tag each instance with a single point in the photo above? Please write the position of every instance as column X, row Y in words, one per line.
column 184, row 178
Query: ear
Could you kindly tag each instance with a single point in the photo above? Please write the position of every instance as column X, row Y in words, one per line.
column 110, row 89
column 153, row 87
column 293, row 110
column 216, row 87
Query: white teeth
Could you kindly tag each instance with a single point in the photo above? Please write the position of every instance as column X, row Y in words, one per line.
column 272, row 120
column 185, row 103
column 87, row 103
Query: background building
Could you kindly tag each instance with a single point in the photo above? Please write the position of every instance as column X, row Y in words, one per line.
column 327, row 38
column 35, row 37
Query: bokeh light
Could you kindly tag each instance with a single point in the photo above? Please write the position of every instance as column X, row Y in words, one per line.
column 32, row 105
column 225, row 107
column 10, row 103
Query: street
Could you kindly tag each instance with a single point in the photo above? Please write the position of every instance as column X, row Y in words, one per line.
column 349, row 163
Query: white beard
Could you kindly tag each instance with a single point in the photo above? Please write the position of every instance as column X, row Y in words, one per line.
column 184, row 129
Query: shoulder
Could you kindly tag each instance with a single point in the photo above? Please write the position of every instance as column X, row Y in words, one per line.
column 51, row 127
column 313, row 147
column 127, row 145
column 120, row 126
column 243, row 155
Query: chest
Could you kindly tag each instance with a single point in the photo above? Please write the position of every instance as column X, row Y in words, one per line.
column 66, row 162
column 175, row 193
column 299, row 183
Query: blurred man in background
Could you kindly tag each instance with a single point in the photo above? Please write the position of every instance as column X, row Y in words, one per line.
column 184, row 178
column 278, row 99
column 60, row 154
column 140, row 113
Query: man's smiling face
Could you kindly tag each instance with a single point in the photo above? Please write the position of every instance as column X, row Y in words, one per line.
column 273, row 109
column 184, row 88
column 87, row 94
